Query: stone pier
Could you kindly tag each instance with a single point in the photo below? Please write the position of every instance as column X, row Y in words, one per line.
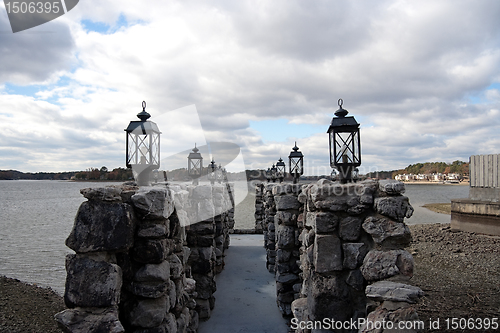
column 146, row 258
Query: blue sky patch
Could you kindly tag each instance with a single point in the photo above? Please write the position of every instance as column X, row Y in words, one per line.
column 105, row 28
column 99, row 27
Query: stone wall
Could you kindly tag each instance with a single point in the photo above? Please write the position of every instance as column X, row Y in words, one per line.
column 287, row 271
column 259, row 208
column 145, row 258
column 349, row 242
column 268, row 226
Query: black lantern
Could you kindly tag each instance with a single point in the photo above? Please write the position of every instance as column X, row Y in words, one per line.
column 280, row 170
column 224, row 175
column 345, row 146
column 273, row 173
column 143, row 147
column 268, row 174
column 211, row 172
column 296, row 163
column 219, row 174
column 195, row 165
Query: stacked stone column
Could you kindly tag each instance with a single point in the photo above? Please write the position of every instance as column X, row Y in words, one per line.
column 351, row 255
column 259, row 209
column 156, row 289
column 269, row 226
column 133, row 270
column 104, row 226
column 288, row 210
column 207, row 238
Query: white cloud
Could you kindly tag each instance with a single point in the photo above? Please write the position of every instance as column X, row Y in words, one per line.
column 416, row 74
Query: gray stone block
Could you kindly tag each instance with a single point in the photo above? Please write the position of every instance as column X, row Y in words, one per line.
column 393, row 291
column 350, row 228
column 202, row 191
column 86, row 320
column 354, row 253
column 288, row 278
column 287, row 202
column 322, row 222
column 150, row 230
column 148, row 289
column 397, row 207
column 153, row 272
column 91, row 283
column 379, row 265
column 355, row 279
column 150, row 251
column 286, row 218
column 108, row 193
column 327, row 256
column 285, row 236
column 328, row 298
column 148, row 312
column 391, row 186
column 154, row 203
column 101, row 226
column 299, row 309
column 380, row 314
column 387, row 232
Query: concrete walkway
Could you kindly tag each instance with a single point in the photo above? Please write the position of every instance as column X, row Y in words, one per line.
column 246, row 292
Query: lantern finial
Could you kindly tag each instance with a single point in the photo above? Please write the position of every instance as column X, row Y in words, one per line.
column 143, row 115
column 341, row 113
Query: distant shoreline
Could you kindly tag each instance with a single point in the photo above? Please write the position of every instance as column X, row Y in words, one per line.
column 434, row 183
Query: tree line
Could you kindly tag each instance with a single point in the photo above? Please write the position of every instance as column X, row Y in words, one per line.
column 457, row 166
column 117, row 174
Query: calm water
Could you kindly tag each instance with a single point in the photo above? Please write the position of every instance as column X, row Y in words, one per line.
column 36, row 217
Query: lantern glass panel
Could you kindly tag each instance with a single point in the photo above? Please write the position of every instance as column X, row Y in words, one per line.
column 194, row 167
column 296, row 165
column 280, row 169
column 346, row 148
column 143, row 147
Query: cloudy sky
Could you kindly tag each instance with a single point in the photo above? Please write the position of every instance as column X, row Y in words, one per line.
column 421, row 77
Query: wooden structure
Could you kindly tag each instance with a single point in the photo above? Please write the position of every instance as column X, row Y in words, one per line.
column 481, row 211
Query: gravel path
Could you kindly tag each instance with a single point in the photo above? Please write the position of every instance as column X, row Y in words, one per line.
column 458, row 271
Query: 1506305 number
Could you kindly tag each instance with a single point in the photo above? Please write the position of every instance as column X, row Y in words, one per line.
column 472, row 323
column 32, row 7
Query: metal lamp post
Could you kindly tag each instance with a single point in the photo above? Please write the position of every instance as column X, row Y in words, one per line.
column 280, row 170
column 212, row 175
column 142, row 147
column 268, row 174
column 273, row 173
column 195, row 165
column 219, row 174
column 345, row 146
column 296, row 163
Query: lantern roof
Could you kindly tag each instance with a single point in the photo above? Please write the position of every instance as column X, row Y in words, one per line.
column 295, row 152
column 341, row 122
column 195, row 155
column 280, row 162
column 146, row 126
